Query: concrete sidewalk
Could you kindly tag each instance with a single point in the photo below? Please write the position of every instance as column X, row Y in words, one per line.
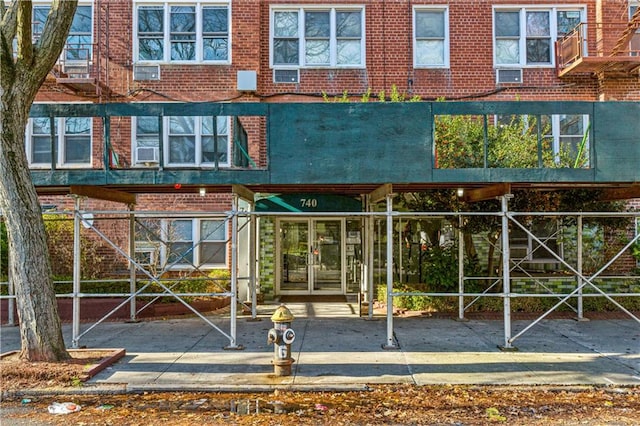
column 335, row 349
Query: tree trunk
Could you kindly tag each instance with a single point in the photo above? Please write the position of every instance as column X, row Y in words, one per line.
column 29, row 268
column 21, row 75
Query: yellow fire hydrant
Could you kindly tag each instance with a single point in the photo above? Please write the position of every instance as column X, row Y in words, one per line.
column 282, row 336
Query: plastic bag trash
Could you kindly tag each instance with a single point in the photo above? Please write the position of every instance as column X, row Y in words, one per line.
column 63, row 408
column 104, row 407
column 26, row 400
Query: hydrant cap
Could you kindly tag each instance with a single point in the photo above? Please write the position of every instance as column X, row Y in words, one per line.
column 282, row 314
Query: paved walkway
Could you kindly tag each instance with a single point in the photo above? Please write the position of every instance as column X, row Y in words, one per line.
column 335, row 349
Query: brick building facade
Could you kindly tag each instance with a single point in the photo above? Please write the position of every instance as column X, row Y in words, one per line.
column 137, row 51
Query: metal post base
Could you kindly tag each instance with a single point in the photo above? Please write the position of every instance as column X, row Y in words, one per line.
column 282, row 367
column 233, row 348
column 508, row 348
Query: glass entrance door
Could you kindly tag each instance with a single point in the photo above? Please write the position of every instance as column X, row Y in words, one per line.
column 311, row 255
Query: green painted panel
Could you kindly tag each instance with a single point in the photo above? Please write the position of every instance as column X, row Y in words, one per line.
column 616, row 131
column 308, row 203
column 350, row 143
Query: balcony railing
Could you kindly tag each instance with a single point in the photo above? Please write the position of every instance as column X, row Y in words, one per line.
column 599, row 47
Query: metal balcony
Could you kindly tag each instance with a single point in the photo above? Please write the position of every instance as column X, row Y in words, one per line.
column 610, row 49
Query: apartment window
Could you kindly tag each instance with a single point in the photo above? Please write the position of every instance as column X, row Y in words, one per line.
column 566, row 135
column 80, row 40
column 187, row 141
column 72, row 144
column 526, row 36
column 431, row 38
column 173, row 32
column 317, row 37
column 524, row 247
column 181, row 243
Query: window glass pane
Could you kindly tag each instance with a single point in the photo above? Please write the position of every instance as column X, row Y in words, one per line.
column 183, row 32
column 567, row 21
column 77, row 125
column 539, row 50
column 430, row 24
column 317, row 52
column 571, row 124
column 180, row 253
column 183, row 19
column 151, row 33
column 82, row 20
column 215, row 20
column 77, row 149
column 349, row 52
column 430, row 52
column 150, row 19
column 151, row 49
column 39, row 18
column 348, row 24
column 180, row 230
column 213, row 253
column 507, row 24
column 538, row 24
column 212, row 230
column 507, row 51
column 41, row 149
column 77, row 140
column 316, row 24
column 182, row 149
column 147, row 131
column 182, row 125
column 42, row 126
column 223, row 125
column 286, row 52
column 215, row 49
column 285, row 24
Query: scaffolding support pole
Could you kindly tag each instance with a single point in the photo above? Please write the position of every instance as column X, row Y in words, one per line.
column 579, row 268
column 132, row 266
column 506, row 277
column 369, row 271
column 460, row 270
column 76, row 274
column 390, row 343
column 253, row 283
column 234, row 276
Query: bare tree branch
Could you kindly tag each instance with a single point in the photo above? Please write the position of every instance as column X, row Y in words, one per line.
column 25, row 40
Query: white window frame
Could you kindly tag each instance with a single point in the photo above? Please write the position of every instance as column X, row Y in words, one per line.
column 197, row 147
column 332, row 9
column 166, row 37
column 61, row 137
column 446, row 39
column 522, row 37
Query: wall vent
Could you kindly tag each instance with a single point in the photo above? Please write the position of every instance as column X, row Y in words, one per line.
column 147, row 155
column 513, row 76
column 286, row 76
column 146, row 72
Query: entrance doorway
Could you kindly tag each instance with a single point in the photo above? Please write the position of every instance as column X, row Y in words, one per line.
column 311, row 256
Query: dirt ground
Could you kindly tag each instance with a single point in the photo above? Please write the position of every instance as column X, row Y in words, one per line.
column 379, row 405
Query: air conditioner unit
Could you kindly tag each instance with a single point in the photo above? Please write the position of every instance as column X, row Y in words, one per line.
column 146, row 72
column 147, row 155
column 509, row 76
column 286, row 76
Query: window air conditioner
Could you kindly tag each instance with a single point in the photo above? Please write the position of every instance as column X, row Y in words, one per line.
column 509, row 76
column 286, row 76
column 146, row 72
column 147, row 155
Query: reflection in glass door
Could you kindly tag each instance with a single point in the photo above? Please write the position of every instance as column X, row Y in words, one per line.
column 311, row 256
